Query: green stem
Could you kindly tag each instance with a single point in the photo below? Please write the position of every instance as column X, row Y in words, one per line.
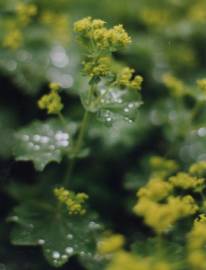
column 77, row 147
column 62, row 119
column 196, row 110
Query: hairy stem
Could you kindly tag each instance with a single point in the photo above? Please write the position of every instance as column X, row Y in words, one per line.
column 77, row 147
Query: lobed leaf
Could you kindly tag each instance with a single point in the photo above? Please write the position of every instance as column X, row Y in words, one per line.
column 42, row 143
column 59, row 234
column 114, row 105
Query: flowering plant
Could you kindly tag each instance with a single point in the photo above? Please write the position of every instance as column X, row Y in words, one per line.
column 102, row 123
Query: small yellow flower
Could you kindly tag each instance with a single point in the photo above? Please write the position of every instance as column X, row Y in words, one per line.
column 73, row 201
column 111, row 244
column 52, row 101
column 186, row 181
column 54, row 86
column 196, row 242
column 13, row 39
column 162, row 167
column 25, row 12
column 156, row 189
column 175, row 86
column 125, row 79
column 202, row 84
column 161, row 216
column 58, row 25
column 201, row 219
column 100, row 67
column 101, row 37
column 83, row 25
column 198, row 168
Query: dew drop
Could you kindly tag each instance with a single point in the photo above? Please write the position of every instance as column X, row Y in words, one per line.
column 93, row 225
column 51, row 147
column 14, row 218
column 30, row 144
column 25, row 138
column 63, row 143
column 36, row 147
column 69, row 250
column 36, row 138
column 130, row 105
column 69, row 236
column 201, row 132
column 41, row 241
column 82, row 253
column 56, row 255
column 44, row 139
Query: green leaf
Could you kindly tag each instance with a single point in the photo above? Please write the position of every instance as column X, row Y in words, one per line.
column 59, row 234
column 42, row 143
column 115, row 105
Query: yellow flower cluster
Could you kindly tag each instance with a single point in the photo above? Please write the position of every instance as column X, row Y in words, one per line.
column 185, row 181
column 155, row 17
column 111, row 244
column 162, row 167
column 175, row 86
column 74, row 202
column 198, row 168
column 196, row 244
column 100, row 43
column 52, row 101
column 13, row 39
column 58, row 24
column 162, row 216
column 126, row 261
column 161, row 210
column 202, row 84
column 125, row 79
column 197, row 12
column 156, row 190
column 25, row 12
column 101, row 37
column 100, row 67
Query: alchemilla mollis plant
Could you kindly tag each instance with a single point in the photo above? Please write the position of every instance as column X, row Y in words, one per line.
column 111, row 94
column 105, row 119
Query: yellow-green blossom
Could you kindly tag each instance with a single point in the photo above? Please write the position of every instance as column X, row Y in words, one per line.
column 198, row 168
column 196, row 245
column 73, row 201
column 25, row 12
column 185, row 181
column 197, row 12
column 202, row 84
column 162, row 167
column 156, row 189
column 200, row 219
column 175, row 86
column 155, row 17
column 111, row 244
column 101, row 37
column 13, row 39
column 125, row 79
column 58, row 25
column 100, row 67
column 161, row 216
column 52, row 101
